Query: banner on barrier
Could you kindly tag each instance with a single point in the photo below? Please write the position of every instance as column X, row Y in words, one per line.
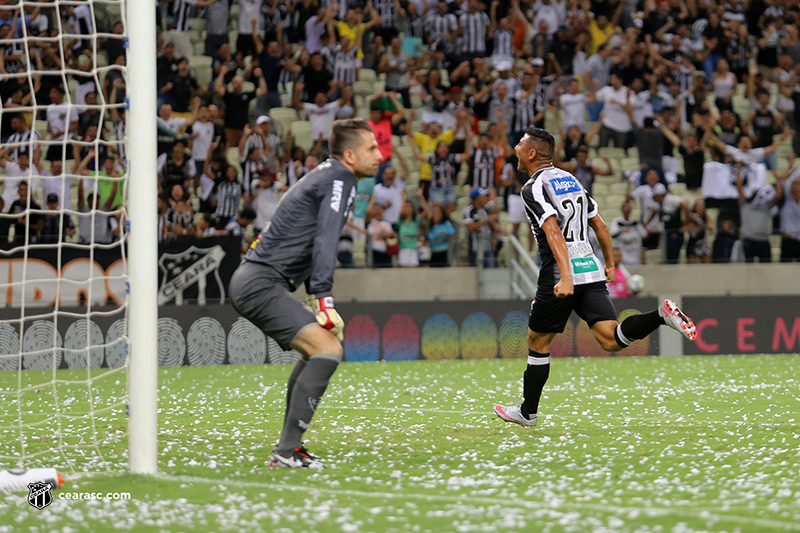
column 743, row 324
column 208, row 335
column 191, row 269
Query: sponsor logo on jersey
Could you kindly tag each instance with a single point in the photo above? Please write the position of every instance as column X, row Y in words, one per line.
column 565, row 185
column 336, row 198
column 581, row 266
column 584, row 249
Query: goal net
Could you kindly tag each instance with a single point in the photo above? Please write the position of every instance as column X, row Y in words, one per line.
column 65, row 239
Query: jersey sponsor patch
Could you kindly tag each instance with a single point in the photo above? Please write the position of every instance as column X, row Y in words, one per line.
column 336, row 197
column 565, row 185
column 582, row 265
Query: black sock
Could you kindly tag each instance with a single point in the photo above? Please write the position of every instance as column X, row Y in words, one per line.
column 298, row 367
column 306, row 394
column 637, row 327
column 534, row 379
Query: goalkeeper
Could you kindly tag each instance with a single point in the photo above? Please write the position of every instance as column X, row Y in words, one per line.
column 299, row 245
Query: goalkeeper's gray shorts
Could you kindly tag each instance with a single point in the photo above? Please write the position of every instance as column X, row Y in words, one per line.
column 262, row 296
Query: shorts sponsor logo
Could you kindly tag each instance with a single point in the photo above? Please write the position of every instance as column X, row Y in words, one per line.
column 564, row 185
column 581, row 266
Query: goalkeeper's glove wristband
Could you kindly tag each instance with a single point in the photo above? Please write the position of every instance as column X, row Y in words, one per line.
column 328, row 318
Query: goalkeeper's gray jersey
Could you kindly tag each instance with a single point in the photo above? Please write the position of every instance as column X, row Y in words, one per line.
column 301, row 240
column 557, row 193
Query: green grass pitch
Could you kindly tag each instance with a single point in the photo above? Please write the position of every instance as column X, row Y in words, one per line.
column 626, row 444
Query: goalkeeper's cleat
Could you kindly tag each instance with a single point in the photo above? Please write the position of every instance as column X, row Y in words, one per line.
column 674, row 318
column 297, row 458
column 513, row 413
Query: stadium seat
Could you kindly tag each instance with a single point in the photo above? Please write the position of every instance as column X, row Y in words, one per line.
column 378, row 87
column 600, row 189
column 198, row 23
column 614, row 201
column 284, row 116
column 618, row 188
column 363, row 88
column 367, row 74
column 629, row 163
column 611, row 152
column 678, row 189
column 202, row 66
column 301, row 131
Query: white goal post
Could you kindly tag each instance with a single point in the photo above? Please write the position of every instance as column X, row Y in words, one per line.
column 143, row 243
column 60, row 406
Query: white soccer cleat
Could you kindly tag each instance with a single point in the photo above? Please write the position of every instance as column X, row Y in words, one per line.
column 513, row 413
column 674, row 318
column 297, row 458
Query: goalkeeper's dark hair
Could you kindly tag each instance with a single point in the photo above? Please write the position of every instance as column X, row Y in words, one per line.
column 346, row 135
column 544, row 143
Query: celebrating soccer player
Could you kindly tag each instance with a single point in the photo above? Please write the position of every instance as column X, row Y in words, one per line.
column 299, row 246
column 561, row 212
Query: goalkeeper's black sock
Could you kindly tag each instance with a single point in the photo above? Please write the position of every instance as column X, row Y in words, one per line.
column 534, row 379
column 637, row 327
column 306, row 394
column 298, row 367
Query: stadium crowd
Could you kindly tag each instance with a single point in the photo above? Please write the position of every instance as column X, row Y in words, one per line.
column 678, row 117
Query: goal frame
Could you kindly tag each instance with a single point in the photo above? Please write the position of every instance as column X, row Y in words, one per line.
column 143, row 238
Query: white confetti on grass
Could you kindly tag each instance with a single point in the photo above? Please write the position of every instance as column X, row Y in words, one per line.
column 646, row 444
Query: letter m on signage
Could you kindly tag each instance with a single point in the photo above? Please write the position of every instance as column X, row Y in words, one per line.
column 782, row 333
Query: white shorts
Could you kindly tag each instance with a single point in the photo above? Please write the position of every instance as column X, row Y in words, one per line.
column 516, row 208
column 408, row 258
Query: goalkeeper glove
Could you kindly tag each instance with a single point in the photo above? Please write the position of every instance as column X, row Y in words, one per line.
column 327, row 317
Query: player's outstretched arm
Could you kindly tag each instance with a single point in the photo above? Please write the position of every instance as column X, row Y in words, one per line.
column 604, row 238
column 559, row 247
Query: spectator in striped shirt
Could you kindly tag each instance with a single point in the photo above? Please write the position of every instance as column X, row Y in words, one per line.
column 473, row 26
column 226, row 199
column 387, row 9
column 346, row 64
column 442, row 33
column 502, row 34
column 22, row 137
column 501, row 108
column 180, row 220
column 444, row 167
column 482, row 166
column 526, row 113
column 216, row 26
column 183, row 11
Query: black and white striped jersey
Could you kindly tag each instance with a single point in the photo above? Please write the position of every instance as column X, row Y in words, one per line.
column 387, row 12
column 183, row 11
column 438, row 26
column 483, row 167
column 228, row 194
column 414, row 26
column 541, row 91
column 443, row 170
column 502, row 43
column 473, row 40
column 555, row 192
column 25, row 142
column 345, row 65
column 525, row 109
column 250, row 172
